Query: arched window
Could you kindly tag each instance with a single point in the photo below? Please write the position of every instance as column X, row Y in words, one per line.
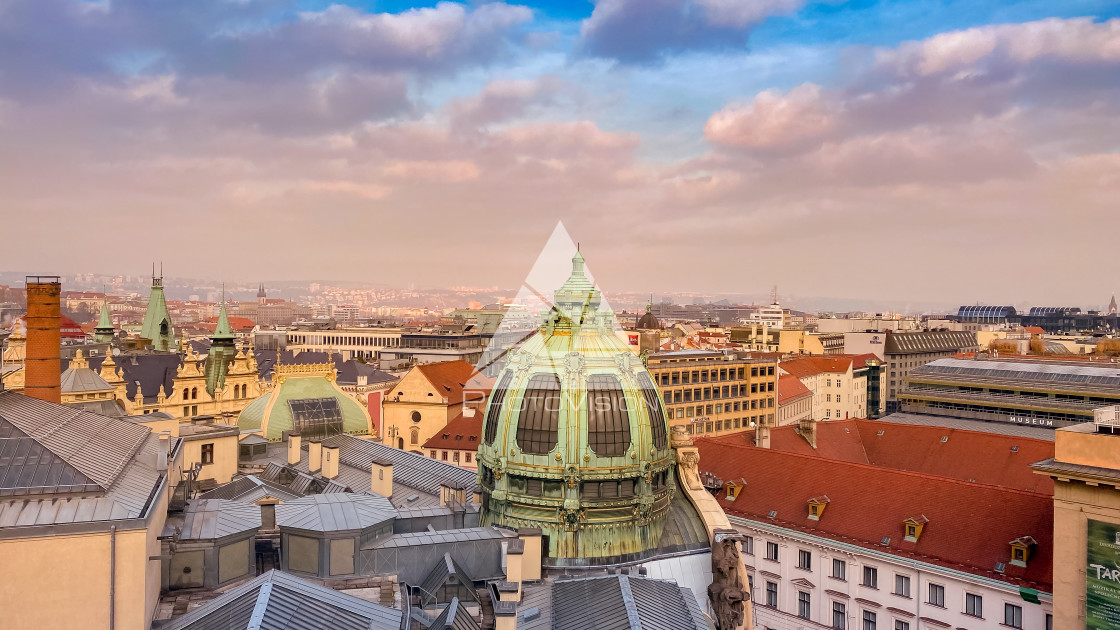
column 194, row 393
column 415, row 436
column 495, row 411
column 416, row 416
column 608, row 420
column 539, row 418
column 656, row 413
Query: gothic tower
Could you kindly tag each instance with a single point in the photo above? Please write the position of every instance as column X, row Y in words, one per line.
column 157, row 321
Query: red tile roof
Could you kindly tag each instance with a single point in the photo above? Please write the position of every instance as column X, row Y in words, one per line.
column 461, row 434
column 791, row 388
column 970, row 525
column 1035, row 330
column 964, row 455
column 243, row 324
column 455, row 376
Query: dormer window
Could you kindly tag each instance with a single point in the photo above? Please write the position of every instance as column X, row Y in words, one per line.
column 817, row 506
column 1021, row 550
column 912, row 528
column 733, row 488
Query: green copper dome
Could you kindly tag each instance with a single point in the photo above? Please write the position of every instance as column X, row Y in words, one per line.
column 575, row 439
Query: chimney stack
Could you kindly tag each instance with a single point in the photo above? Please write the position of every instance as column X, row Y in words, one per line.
column 314, row 456
column 330, row 462
column 293, row 448
column 808, row 428
column 164, row 450
column 44, row 339
column 381, row 480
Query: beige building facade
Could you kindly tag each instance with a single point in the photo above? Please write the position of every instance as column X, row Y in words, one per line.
column 426, row 399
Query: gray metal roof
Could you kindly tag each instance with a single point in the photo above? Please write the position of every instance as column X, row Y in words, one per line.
column 411, row 469
column 445, row 536
column 335, row 512
column 249, row 490
column 621, row 602
column 98, row 446
column 1083, row 374
column 279, row 601
column 118, row 456
column 454, row 617
column 83, row 379
column 925, row 341
column 209, row 519
column 1002, row 428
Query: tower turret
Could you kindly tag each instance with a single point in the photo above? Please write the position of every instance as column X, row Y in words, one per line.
column 157, row 320
column 223, row 349
column 104, row 331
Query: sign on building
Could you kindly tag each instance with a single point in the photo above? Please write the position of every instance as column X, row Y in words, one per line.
column 1102, row 577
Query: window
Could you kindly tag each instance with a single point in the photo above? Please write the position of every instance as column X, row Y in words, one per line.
column 540, row 414
column 468, row 454
column 772, row 551
column 973, row 605
column 902, row 585
column 415, row 416
column 804, row 559
column 937, row 595
column 443, row 455
column 901, row 625
column 1012, row 615
column 608, row 421
column 496, row 400
column 656, row 413
column 839, row 616
column 748, row 545
column 772, row 594
column 803, row 606
column 871, row 577
column 839, row 569
column 207, row 454
column 868, row 620
column 316, row 418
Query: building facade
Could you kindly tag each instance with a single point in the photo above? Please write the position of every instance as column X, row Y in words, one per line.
column 427, row 398
column 714, row 393
column 1017, row 390
column 839, row 384
column 904, row 351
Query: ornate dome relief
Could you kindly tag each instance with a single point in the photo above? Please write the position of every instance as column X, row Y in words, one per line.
column 575, row 439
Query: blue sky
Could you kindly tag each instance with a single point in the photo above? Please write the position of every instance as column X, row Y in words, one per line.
column 775, row 131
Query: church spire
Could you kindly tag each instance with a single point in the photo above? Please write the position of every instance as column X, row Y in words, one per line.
column 157, row 320
column 1112, row 306
column 223, row 331
column 104, row 331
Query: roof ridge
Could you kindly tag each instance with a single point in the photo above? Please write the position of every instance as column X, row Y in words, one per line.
column 955, row 429
column 911, row 473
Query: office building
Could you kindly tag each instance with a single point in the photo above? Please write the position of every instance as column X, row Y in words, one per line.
column 713, row 393
column 1018, row 390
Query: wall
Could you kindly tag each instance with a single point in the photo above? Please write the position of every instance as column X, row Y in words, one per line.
column 63, row 581
column 225, row 457
column 435, row 411
column 825, row 589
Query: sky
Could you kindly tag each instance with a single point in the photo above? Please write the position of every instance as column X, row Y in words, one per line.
column 923, row 152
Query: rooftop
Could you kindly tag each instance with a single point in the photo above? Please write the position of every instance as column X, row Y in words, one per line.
column 461, row 433
column 970, row 524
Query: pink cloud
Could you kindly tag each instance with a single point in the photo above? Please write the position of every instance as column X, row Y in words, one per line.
column 454, row 171
column 774, row 120
column 1077, row 40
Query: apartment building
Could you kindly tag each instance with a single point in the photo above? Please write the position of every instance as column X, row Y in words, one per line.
column 714, row 393
column 838, row 384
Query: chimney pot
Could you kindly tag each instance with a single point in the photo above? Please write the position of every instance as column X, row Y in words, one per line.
column 293, row 448
column 314, row 456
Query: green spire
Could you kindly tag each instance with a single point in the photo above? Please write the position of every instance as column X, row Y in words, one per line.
column 104, row 331
column 157, row 320
column 223, row 330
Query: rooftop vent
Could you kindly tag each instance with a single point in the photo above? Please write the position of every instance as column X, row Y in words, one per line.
column 881, row 432
column 531, row 613
column 1001, row 567
column 773, row 514
column 944, row 438
column 1014, row 449
column 886, row 541
column 412, row 498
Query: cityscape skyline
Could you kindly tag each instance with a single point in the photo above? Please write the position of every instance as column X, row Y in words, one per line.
column 436, row 144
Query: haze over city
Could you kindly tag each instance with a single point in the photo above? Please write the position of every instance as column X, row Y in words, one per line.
column 739, row 146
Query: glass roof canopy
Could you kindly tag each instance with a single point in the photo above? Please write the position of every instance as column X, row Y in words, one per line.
column 1022, row 371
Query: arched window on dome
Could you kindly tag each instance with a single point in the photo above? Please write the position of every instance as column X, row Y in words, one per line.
column 656, row 413
column 539, row 417
column 608, row 420
column 495, row 410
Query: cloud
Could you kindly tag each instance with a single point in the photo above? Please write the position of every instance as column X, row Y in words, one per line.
column 641, row 31
column 774, row 120
column 505, row 99
column 453, row 171
column 1076, row 41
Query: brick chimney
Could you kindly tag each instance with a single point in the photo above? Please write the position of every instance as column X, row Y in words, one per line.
column 44, row 339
